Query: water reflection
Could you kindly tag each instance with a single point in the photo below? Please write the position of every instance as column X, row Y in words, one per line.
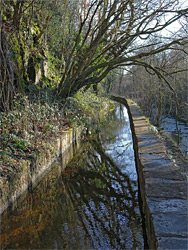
column 92, row 204
column 169, row 124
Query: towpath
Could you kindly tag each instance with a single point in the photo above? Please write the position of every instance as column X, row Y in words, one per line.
column 163, row 188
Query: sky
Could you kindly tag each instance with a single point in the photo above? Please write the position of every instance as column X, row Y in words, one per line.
column 176, row 26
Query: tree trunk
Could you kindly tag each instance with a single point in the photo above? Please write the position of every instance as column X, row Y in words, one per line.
column 31, row 70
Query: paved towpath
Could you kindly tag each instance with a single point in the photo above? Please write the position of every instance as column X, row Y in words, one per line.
column 163, row 188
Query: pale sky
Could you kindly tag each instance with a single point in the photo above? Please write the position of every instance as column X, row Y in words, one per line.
column 176, row 26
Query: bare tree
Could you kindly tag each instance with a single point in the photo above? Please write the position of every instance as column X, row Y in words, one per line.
column 115, row 33
column 150, row 90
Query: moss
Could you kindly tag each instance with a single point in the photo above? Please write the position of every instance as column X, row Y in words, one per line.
column 18, row 49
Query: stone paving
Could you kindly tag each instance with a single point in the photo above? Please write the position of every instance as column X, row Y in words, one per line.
column 163, row 188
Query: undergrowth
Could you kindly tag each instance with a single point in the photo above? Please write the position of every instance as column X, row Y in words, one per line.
column 34, row 121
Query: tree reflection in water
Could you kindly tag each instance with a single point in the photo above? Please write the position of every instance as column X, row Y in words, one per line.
column 108, row 199
column 92, row 204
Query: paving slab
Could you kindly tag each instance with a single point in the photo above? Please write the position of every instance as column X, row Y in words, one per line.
column 169, row 243
column 170, row 224
column 167, row 205
column 151, row 147
column 163, row 174
column 163, row 187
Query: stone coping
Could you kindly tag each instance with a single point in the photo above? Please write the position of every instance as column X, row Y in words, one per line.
column 163, row 187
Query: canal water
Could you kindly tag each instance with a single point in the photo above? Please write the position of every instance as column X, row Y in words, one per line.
column 91, row 204
column 168, row 124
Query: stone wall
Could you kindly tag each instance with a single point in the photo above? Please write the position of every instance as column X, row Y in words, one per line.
column 33, row 169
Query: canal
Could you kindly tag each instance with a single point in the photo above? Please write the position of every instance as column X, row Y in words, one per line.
column 91, row 204
column 180, row 137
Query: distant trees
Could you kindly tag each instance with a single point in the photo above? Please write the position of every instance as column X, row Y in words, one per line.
column 165, row 93
column 80, row 41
